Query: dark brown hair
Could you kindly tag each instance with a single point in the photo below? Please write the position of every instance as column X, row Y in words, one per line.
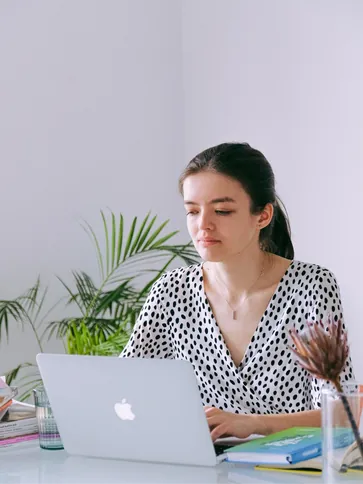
column 251, row 169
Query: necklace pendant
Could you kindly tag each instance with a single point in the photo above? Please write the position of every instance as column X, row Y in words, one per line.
column 234, row 315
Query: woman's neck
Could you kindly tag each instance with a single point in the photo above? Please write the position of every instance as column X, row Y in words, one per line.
column 235, row 276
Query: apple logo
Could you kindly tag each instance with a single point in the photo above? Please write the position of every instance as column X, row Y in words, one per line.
column 123, row 410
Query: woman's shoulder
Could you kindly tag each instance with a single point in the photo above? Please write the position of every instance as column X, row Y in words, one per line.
column 181, row 275
column 313, row 273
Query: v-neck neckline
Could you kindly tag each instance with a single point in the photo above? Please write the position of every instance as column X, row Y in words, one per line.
column 264, row 315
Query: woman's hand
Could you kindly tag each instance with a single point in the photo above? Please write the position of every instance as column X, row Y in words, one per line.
column 227, row 424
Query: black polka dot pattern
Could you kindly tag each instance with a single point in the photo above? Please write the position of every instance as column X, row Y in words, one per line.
column 177, row 322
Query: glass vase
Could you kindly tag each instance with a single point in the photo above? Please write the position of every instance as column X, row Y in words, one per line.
column 342, row 459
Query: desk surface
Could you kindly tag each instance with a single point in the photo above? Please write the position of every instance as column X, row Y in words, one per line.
column 30, row 465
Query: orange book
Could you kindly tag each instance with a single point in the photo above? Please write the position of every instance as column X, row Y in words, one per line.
column 6, row 405
column 6, row 396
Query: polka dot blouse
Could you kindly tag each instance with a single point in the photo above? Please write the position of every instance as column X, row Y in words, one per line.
column 177, row 322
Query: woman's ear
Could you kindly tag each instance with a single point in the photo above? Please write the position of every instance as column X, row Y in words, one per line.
column 265, row 216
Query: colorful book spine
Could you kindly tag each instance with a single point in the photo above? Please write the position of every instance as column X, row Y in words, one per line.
column 17, row 440
column 307, row 453
column 18, row 427
column 342, row 438
column 4, row 407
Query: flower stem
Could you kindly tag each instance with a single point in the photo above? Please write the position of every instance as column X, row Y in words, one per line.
column 352, row 421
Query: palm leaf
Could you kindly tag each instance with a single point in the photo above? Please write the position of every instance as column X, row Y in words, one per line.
column 27, row 382
column 145, row 234
column 85, row 288
column 87, row 283
column 11, row 375
column 113, row 345
column 31, row 296
column 80, row 340
column 165, row 253
column 134, row 267
column 142, row 258
column 139, row 235
column 57, row 328
column 129, row 238
column 74, row 297
column 10, row 310
column 60, row 328
column 120, row 239
column 90, row 232
column 41, row 304
column 113, row 240
column 186, row 252
column 152, row 237
column 161, row 241
column 28, row 392
column 107, row 247
column 108, row 298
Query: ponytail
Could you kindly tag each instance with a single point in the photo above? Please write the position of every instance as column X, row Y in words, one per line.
column 276, row 237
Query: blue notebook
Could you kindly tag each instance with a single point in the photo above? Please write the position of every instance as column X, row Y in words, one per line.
column 286, row 447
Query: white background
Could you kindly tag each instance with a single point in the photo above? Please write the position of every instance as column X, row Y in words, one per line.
column 102, row 103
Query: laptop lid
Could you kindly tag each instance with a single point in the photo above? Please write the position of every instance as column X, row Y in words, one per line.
column 128, row 408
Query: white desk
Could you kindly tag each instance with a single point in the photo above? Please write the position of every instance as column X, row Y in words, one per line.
column 32, row 465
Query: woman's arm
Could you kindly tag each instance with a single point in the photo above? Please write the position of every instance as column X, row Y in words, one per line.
column 269, row 424
column 223, row 424
column 328, row 305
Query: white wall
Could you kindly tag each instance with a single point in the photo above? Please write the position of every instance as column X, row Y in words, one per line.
column 287, row 77
column 101, row 107
column 90, row 118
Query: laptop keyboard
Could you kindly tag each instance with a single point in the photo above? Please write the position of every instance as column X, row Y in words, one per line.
column 220, row 448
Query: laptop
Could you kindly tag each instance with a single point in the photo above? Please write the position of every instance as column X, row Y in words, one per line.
column 128, row 408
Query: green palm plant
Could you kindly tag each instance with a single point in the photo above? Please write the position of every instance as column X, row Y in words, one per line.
column 81, row 341
column 129, row 263
column 110, row 308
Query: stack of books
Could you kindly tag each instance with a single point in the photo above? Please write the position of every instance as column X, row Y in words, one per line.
column 18, row 421
column 298, row 450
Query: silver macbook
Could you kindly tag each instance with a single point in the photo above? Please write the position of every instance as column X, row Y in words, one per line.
column 128, row 408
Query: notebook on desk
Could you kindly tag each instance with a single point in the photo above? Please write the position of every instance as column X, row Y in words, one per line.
column 128, row 408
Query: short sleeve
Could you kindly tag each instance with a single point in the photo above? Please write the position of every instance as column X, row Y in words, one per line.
column 327, row 303
column 151, row 336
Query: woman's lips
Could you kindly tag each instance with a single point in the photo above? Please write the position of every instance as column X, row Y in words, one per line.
column 208, row 242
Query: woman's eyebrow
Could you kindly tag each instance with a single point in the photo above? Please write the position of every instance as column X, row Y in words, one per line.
column 215, row 200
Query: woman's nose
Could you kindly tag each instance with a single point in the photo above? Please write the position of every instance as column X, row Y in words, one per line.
column 205, row 222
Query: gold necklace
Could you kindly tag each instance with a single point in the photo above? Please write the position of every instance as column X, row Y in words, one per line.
column 234, row 311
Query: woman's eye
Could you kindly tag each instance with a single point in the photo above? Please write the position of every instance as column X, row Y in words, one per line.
column 218, row 212
column 223, row 212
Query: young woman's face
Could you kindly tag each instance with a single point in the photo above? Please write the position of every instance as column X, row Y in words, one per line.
column 219, row 216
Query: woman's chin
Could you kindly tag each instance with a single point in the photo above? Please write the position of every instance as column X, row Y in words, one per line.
column 211, row 255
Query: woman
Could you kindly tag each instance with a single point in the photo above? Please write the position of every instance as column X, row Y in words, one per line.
column 230, row 316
